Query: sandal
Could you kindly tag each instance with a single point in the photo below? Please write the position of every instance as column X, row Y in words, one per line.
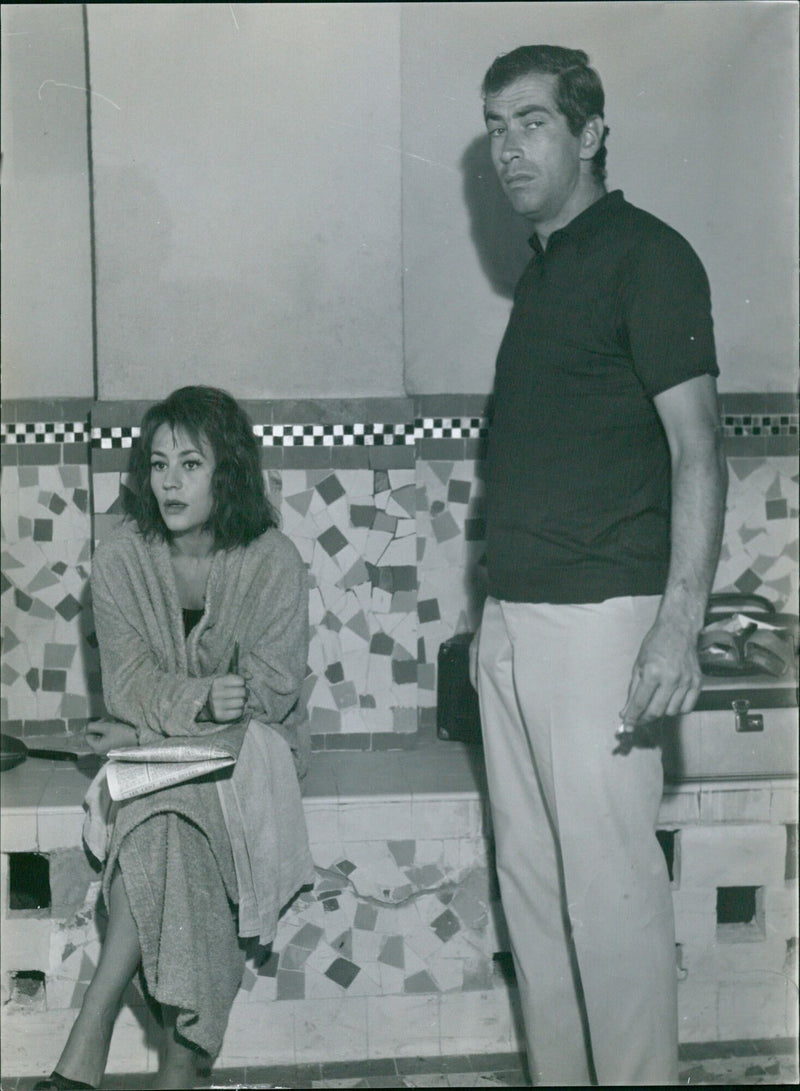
column 765, row 652
column 719, row 652
column 723, row 604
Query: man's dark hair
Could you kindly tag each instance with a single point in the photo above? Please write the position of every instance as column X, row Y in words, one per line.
column 578, row 90
column 242, row 510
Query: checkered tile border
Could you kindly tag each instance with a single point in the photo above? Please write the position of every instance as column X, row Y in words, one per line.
column 450, row 427
column 270, row 435
column 110, row 438
column 764, row 424
column 347, row 435
column 334, row 435
column 45, row 432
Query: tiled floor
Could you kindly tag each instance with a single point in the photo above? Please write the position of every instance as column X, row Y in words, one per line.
column 745, row 1063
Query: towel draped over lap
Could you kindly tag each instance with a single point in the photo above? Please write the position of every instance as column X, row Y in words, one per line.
column 179, row 875
column 190, row 854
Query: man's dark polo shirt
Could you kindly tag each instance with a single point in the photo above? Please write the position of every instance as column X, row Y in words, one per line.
column 615, row 311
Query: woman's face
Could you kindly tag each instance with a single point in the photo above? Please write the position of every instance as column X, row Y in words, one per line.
column 181, row 473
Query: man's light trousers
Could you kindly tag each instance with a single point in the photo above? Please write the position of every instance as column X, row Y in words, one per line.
column 583, row 879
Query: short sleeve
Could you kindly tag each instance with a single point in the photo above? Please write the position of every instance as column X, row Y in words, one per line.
column 668, row 313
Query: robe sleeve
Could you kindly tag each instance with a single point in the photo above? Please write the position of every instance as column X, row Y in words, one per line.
column 276, row 656
column 135, row 689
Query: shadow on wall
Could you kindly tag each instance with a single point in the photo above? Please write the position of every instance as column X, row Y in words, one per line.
column 164, row 309
column 500, row 234
column 501, row 237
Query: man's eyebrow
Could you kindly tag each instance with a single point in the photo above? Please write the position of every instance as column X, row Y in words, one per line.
column 522, row 111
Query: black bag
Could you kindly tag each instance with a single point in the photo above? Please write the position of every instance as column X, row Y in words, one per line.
column 457, row 714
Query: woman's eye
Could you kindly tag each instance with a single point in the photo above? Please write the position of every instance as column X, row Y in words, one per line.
column 156, row 465
column 191, row 464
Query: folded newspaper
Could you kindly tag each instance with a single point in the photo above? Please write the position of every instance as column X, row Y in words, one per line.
column 137, row 770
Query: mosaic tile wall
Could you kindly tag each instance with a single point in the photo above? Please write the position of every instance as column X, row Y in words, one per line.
column 356, row 531
column 49, row 665
column 384, row 918
column 50, row 670
column 760, row 548
column 400, row 948
column 388, row 516
column 451, row 550
column 388, row 917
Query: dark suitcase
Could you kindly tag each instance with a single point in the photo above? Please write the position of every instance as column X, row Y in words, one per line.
column 457, row 714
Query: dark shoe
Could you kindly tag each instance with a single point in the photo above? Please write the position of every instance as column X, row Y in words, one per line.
column 56, row 1082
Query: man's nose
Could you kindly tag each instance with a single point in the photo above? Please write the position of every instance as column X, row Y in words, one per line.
column 510, row 148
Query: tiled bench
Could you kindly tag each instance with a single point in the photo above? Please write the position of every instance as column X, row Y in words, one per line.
column 392, row 954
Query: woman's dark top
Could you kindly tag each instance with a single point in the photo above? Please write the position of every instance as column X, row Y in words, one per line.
column 190, row 619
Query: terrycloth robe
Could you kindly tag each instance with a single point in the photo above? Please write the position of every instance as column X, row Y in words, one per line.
column 157, row 680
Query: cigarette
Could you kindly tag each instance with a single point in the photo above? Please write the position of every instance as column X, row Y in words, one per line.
column 624, row 729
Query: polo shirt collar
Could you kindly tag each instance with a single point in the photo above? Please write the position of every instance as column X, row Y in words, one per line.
column 585, row 223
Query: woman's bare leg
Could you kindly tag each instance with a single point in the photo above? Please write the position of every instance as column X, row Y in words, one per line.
column 177, row 1067
column 85, row 1054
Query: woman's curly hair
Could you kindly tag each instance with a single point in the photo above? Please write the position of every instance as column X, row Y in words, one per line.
column 242, row 511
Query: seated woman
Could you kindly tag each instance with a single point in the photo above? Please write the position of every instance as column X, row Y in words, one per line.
column 201, row 611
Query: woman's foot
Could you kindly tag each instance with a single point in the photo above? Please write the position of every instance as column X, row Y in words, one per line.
column 56, row 1082
column 178, row 1061
column 180, row 1074
column 86, row 1051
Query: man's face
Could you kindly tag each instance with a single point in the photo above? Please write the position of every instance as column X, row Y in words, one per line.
column 536, row 157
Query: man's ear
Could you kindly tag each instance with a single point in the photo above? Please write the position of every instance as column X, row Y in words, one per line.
column 592, row 137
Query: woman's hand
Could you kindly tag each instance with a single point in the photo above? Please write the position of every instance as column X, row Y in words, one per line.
column 226, row 699
column 105, row 736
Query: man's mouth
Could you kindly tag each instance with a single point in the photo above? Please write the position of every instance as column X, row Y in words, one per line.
column 517, row 179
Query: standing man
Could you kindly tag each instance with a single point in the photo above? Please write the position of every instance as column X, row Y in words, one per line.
column 605, row 501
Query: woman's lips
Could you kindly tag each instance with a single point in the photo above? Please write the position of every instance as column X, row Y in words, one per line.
column 174, row 505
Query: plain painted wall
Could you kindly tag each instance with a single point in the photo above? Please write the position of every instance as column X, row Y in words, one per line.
column 701, row 100
column 295, row 200
column 47, row 284
column 247, row 198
